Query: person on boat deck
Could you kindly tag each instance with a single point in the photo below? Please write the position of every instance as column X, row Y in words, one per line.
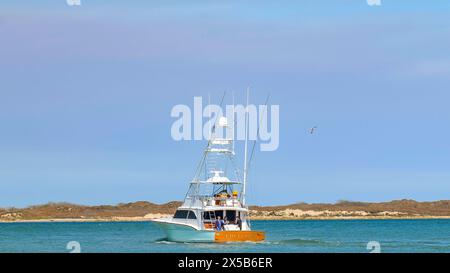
column 219, row 223
column 239, row 222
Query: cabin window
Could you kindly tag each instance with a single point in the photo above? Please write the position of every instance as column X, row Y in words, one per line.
column 219, row 213
column 191, row 215
column 206, row 215
column 231, row 215
column 181, row 214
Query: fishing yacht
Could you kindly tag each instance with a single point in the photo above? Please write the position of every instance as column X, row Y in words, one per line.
column 216, row 192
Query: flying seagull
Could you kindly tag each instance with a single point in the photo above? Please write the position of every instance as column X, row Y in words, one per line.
column 313, row 129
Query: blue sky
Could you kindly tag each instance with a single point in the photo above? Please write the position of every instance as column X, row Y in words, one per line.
column 86, row 94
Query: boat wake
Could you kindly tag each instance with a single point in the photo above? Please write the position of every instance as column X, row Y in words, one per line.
column 304, row 242
column 293, row 242
column 164, row 241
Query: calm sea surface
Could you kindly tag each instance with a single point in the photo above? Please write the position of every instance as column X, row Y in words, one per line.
column 282, row 236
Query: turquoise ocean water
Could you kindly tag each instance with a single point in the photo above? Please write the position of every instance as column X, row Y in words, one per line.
column 282, row 236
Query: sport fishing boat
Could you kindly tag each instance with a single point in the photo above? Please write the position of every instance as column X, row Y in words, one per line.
column 216, row 195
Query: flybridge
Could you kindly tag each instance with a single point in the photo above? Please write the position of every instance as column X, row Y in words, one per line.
column 197, row 124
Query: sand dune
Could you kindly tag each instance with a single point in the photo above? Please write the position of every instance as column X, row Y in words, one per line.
column 143, row 211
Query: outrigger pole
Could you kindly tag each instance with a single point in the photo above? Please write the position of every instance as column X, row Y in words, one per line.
column 254, row 143
column 257, row 132
column 245, row 153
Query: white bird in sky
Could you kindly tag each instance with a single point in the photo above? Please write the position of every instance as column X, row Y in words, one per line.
column 312, row 130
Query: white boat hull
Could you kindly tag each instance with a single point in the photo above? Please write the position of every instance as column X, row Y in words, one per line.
column 185, row 233
column 180, row 232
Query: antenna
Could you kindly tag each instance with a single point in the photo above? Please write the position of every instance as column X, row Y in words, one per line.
column 209, row 115
column 200, row 164
column 246, row 145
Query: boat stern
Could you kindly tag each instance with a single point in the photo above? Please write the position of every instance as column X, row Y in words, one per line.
column 239, row 236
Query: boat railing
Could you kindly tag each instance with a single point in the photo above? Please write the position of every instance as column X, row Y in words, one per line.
column 211, row 201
